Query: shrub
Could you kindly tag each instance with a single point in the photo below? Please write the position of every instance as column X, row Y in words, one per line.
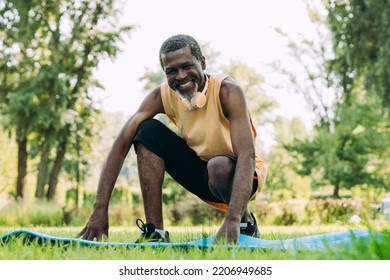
column 314, row 211
column 194, row 211
column 40, row 213
column 331, row 210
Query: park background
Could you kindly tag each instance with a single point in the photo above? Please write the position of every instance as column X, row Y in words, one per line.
column 315, row 74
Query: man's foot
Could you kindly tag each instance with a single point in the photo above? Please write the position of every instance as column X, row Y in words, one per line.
column 250, row 229
column 150, row 234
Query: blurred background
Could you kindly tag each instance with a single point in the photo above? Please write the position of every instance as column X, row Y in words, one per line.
column 315, row 75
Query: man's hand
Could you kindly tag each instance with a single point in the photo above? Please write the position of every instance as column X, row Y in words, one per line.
column 229, row 232
column 97, row 226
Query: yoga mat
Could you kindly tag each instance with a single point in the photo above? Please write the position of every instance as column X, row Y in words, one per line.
column 312, row 242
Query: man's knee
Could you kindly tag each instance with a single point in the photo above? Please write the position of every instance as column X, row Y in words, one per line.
column 148, row 132
column 220, row 170
column 149, row 126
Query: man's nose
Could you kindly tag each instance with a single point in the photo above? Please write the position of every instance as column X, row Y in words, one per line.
column 181, row 74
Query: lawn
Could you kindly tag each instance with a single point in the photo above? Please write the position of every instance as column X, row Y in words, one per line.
column 359, row 250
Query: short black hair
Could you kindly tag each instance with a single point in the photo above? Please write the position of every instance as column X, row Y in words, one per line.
column 179, row 41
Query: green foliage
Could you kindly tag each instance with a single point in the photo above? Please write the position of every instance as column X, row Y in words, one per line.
column 282, row 182
column 362, row 43
column 314, row 211
column 341, row 85
column 190, row 210
column 31, row 214
column 121, row 195
column 49, row 51
column 172, row 191
column 368, row 193
column 187, row 210
column 326, row 211
column 351, row 151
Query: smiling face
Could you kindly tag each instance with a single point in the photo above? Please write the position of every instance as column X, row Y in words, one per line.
column 184, row 72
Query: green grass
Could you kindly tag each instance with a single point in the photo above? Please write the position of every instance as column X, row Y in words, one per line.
column 358, row 251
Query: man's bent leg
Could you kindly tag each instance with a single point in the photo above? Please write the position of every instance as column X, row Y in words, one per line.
column 151, row 170
column 181, row 162
column 221, row 172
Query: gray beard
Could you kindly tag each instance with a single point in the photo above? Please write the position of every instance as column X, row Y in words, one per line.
column 190, row 95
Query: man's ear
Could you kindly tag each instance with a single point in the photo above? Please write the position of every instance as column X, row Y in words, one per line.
column 203, row 63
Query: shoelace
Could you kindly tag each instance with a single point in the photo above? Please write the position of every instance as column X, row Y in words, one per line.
column 141, row 226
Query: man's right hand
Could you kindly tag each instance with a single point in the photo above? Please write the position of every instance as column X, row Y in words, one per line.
column 97, row 226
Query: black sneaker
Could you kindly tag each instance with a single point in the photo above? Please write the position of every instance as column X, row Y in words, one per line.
column 149, row 233
column 250, row 229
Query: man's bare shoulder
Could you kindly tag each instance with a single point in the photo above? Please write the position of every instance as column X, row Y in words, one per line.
column 229, row 83
column 231, row 96
column 229, row 87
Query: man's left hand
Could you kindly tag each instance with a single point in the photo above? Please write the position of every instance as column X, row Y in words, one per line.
column 229, row 233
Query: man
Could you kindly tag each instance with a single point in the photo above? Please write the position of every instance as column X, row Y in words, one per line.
column 214, row 157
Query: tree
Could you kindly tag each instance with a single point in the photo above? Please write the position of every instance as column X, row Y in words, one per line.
column 361, row 45
column 339, row 152
column 306, row 70
column 360, row 31
column 7, row 162
column 285, row 182
column 49, row 51
column 354, row 153
column 309, row 77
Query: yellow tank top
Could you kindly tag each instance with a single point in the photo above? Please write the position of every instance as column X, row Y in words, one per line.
column 206, row 130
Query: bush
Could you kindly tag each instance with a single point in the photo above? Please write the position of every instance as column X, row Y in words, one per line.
column 40, row 213
column 126, row 206
column 368, row 193
column 330, row 210
column 192, row 210
column 314, row 211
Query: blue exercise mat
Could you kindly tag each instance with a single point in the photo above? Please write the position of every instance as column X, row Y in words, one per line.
column 312, row 242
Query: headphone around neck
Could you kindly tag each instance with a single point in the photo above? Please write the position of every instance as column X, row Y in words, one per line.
column 199, row 99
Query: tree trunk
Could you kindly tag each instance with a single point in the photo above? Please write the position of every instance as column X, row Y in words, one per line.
column 336, row 191
column 22, row 167
column 42, row 171
column 53, row 180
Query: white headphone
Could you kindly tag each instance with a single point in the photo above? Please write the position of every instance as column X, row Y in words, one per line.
column 199, row 99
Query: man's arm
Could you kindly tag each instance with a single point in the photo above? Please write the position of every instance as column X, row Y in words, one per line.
column 97, row 225
column 235, row 109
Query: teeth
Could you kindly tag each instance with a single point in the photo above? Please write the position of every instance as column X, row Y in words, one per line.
column 187, row 84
